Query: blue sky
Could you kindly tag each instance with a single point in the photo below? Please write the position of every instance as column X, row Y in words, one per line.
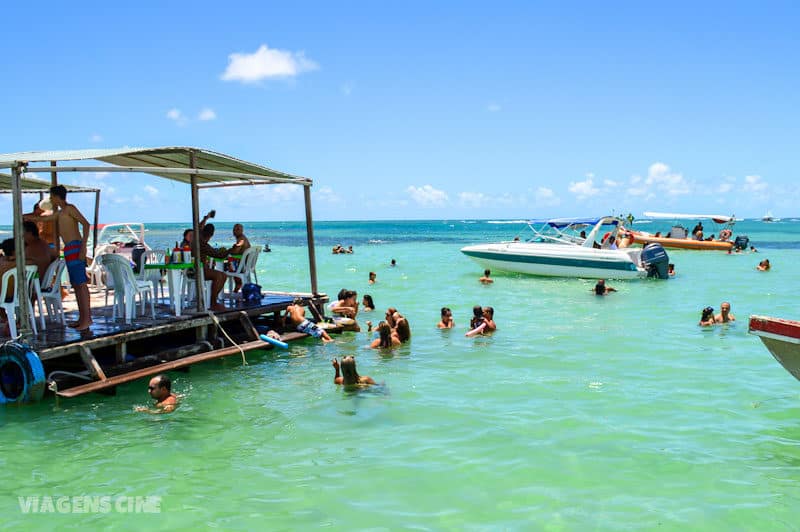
column 420, row 110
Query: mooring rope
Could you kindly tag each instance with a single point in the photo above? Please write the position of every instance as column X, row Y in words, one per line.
column 219, row 326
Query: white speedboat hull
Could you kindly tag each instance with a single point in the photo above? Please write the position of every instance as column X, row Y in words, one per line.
column 555, row 260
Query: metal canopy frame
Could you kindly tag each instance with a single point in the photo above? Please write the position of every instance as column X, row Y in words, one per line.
column 196, row 167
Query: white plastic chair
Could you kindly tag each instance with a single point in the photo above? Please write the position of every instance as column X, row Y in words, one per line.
column 188, row 289
column 152, row 256
column 11, row 306
column 51, row 289
column 126, row 286
column 96, row 271
column 246, row 269
column 35, row 290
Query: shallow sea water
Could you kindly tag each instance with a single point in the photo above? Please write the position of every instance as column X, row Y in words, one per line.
column 581, row 412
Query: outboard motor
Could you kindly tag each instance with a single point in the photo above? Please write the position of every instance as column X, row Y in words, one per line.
column 136, row 253
column 655, row 261
column 741, row 242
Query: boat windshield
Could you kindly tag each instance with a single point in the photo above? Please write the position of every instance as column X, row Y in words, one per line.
column 126, row 234
column 574, row 231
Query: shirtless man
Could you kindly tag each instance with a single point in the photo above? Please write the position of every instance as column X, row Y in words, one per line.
column 36, row 250
column 67, row 218
column 242, row 243
column 160, row 389
column 347, row 305
column 724, row 315
column 47, row 230
column 486, row 279
column 216, row 277
column 296, row 314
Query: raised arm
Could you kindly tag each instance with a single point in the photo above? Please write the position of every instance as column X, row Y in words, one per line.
column 337, row 378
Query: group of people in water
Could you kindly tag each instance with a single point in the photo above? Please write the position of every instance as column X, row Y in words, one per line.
column 708, row 317
column 338, row 249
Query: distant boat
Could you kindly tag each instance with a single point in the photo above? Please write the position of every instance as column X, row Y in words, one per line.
column 769, row 218
column 681, row 238
column 782, row 338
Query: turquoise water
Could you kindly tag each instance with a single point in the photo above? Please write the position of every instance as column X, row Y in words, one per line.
column 580, row 412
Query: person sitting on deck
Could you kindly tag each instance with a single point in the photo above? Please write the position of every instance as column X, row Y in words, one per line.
column 47, row 230
column 216, row 277
column 188, row 235
column 349, row 375
column 160, row 389
column 707, row 317
column 698, row 227
column 239, row 247
column 36, row 250
column 296, row 314
column 724, row 315
column 7, row 262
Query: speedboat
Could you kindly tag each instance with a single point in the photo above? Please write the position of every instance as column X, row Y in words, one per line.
column 769, row 218
column 123, row 238
column 560, row 247
column 680, row 237
column 782, row 338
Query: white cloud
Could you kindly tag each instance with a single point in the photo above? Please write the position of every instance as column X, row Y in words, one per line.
column 327, row 195
column 660, row 177
column 176, row 116
column 266, row 63
column 427, row 196
column 493, row 107
column 753, row 183
column 609, row 183
column 584, row 189
column 206, row 114
column 95, row 138
column 151, row 191
column 546, row 196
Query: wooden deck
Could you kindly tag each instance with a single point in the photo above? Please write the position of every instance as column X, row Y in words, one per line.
column 112, row 352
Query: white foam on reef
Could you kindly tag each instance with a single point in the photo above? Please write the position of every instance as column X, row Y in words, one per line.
column 377, row 241
column 507, row 222
column 642, row 222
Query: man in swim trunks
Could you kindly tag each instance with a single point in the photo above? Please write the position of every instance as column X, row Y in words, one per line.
column 296, row 314
column 67, row 217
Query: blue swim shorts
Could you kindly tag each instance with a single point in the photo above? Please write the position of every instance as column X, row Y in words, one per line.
column 310, row 328
column 75, row 267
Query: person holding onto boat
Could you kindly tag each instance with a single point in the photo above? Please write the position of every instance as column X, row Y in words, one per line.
column 349, row 375
column 763, row 266
column 296, row 314
column 486, row 279
column 447, row 321
column 160, row 389
column 724, row 315
column 707, row 317
column 600, row 289
column 67, row 218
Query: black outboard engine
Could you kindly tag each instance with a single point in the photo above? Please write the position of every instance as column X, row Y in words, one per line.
column 741, row 242
column 136, row 253
column 655, row 261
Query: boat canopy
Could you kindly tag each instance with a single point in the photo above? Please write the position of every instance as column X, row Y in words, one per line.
column 171, row 162
column 719, row 218
column 560, row 223
column 32, row 185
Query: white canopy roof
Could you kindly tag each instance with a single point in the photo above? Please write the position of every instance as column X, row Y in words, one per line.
column 30, row 184
column 211, row 168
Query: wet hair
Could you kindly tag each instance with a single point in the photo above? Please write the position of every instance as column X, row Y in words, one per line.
column 487, row 272
column 490, row 310
column 446, row 311
column 342, row 294
column 477, row 316
column 164, row 382
column 403, row 330
column 187, row 232
column 350, row 293
column 349, row 373
column 369, row 302
column 30, row 227
column 7, row 247
column 600, row 288
column 59, row 191
column 208, row 230
column 708, row 313
column 385, row 332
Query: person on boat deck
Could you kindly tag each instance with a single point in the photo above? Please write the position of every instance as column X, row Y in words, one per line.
column 47, row 230
column 242, row 243
column 368, row 305
column 7, row 262
column 711, row 238
column 216, row 277
column 486, row 279
column 600, row 289
column 160, row 389
column 724, row 315
column 707, row 317
column 188, row 235
column 349, row 375
column 698, row 227
column 698, row 235
column 296, row 314
column 447, row 321
column 610, row 243
column 67, row 218
column 763, row 265
column 36, row 250
column 385, row 338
